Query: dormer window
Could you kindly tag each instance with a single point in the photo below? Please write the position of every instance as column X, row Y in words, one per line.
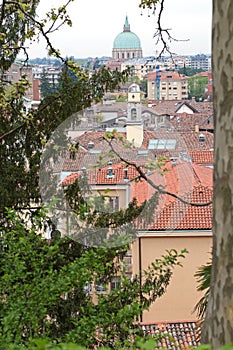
column 110, row 174
column 201, row 138
column 126, row 174
column 90, row 145
column 84, row 171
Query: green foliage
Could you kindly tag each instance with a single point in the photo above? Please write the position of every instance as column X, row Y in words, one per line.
column 43, row 288
column 188, row 71
column 148, row 3
column 203, row 276
column 16, row 25
column 46, row 87
column 197, row 85
column 143, row 86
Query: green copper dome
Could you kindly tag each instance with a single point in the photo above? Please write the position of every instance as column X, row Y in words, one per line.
column 127, row 39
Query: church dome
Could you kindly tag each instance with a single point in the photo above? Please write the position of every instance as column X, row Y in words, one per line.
column 127, row 40
column 127, row 44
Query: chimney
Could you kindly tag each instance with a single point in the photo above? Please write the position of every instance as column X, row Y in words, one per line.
column 196, row 128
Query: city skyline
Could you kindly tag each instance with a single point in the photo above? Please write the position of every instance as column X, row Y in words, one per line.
column 96, row 25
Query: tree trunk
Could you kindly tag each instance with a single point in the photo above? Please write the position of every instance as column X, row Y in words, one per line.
column 218, row 326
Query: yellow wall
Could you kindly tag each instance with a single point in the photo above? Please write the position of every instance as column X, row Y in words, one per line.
column 181, row 296
column 135, row 133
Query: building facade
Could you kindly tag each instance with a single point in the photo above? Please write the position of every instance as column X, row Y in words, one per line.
column 167, row 86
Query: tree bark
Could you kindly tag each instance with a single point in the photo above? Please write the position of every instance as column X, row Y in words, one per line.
column 218, row 326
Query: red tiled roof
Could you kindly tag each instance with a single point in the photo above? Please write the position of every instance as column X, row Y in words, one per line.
column 185, row 142
column 202, row 107
column 174, row 335
column 170, row 107
column 172, row 76
column 179, row 216
column 100, row 176
column 192, row 142
column 166, row 75
column 97, row 137
column 189, row 181
column 188, row 122
column 202, row 157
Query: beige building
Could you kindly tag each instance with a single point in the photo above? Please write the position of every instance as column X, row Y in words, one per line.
column 167, row 86
column 16, row 71
column 177, row 303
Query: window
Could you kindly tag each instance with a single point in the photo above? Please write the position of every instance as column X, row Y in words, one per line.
column 114, row 204
column 100, row 285
column 133, row 114
column 115, row 283
column 88, row 289
column 128, row 262
column 162, row 144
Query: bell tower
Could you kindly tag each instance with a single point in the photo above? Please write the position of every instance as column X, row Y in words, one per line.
column 134, row 126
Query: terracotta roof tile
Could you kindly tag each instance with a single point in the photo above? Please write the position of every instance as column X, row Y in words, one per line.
column 179, row 216
column 170, row 107
column 97, row 137
column 190, row 181
column 202, row 157
column 188, row 122
column 100, row 176
column 174, row 335
column 185, row 142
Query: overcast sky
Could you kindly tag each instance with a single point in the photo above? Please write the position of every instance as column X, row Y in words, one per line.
column 97, row 22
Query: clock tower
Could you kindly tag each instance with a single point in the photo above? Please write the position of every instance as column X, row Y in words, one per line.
column 134, row 126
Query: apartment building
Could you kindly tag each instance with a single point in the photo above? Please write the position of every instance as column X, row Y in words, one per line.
column 200, row 61
column 15, row 72
column 167, row 86
column 140, row 67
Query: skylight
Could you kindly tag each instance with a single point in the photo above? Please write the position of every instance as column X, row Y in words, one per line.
column 167, row 144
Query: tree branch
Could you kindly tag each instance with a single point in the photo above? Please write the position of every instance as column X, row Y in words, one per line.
column 163, row 35
column 156, row 187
